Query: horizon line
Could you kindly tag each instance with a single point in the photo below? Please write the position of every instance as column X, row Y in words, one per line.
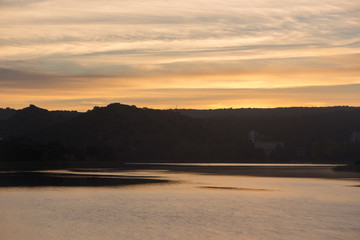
column 172, row 109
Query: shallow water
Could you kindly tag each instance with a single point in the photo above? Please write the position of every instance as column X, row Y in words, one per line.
column 192, row 206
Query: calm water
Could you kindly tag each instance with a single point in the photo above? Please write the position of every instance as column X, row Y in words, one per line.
column 194, row 206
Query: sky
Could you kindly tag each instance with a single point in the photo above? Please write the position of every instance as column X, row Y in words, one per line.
column 61, row 54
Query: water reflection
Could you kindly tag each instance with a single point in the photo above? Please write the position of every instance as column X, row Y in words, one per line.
column 236, row 188
column 199, row 206
column 65, row 179
column 261, row 170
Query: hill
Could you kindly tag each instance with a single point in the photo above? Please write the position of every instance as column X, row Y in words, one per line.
column 124, row 133
column 31, row 120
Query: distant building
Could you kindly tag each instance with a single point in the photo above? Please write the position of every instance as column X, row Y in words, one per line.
column 355, row 137
column 300, row 152
column 261, row 142
column 252, row 136
column 268, row 147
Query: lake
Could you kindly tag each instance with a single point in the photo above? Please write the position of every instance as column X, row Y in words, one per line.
column 190, row 202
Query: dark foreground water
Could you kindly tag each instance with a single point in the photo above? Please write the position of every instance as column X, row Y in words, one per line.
column 179, row 204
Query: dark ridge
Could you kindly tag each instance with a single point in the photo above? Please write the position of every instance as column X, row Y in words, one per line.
column 122, row 133
column 6, row 113
column 30, row 121
column 238, row 112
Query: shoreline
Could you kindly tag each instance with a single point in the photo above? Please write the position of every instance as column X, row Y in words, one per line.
column 275, row 170
column 28, row 175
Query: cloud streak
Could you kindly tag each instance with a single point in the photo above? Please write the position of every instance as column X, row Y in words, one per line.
column 115, row 46
column 201, row 98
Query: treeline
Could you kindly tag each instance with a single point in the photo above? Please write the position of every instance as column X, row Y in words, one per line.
column 308, row 134
column 123, row 133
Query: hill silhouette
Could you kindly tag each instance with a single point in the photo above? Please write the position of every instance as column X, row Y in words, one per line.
column 288, row 124
column 123, row 133
column 30, row 120
column 6, row 113
column 127, row 133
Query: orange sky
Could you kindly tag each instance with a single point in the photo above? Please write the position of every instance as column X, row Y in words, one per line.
column 188, row 54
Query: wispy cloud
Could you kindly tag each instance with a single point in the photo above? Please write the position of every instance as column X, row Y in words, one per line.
column 201, row 98
column 113, row 46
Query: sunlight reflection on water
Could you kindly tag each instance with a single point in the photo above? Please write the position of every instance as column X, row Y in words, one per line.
column 194, row 206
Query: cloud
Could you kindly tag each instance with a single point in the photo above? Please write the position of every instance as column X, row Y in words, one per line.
column 102, row 48
column 11, row 78
column 237, row 98
column 201, row 98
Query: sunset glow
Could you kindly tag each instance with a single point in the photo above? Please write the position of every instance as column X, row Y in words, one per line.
column 187, row 54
